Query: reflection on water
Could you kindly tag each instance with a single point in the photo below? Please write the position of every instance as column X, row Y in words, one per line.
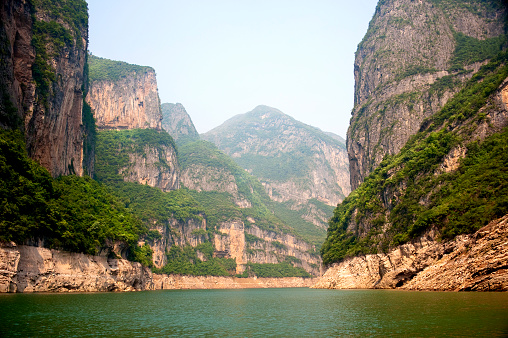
column 255, row 313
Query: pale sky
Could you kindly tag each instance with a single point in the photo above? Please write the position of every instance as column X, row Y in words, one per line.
column 220, row 58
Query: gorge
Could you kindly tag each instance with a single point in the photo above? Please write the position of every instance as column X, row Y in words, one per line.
column 105, row 188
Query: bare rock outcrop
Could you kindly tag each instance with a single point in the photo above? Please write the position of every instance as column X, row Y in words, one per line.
column 28, row 269
column 123, row 96
column 476, row 262
column 35, row 269
column 256, row 245
column 44, row 80
column 147, row 169
column 407, row 67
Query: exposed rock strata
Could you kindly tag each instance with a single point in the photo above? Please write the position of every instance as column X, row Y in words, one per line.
column 129, row 102
column 53, row 116
column 270, row 247
column 408, row 48
column 169, row 282
column 33, row 269
column 147, row 168
column 176, row 233
column 476, row 262
column 201, row 177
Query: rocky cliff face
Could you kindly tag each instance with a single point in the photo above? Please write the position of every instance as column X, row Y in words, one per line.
column 178, row 233
column 178, row 123
column 146, row 168
column 249, row 243
column 414, row 57
column 448, row 180
column 477, row 262
column 43, row 78
column 295, row 163
column 146, row 156
column 123, row 96
column 32, row 269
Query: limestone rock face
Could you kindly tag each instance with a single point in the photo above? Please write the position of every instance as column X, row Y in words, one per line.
column 34, row 269
column 206, row 178
column 295, row 162
column 146, row 168
column 178, row 123
column 51, row 113
column 27, row 269
column 263, row 246
column 190, row 232
column 477, row 262
column 406, row 69
column 128, row 101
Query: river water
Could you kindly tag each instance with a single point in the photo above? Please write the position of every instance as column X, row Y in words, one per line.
column 255, row 313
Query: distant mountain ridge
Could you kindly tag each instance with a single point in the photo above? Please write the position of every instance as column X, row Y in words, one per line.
column 178, row 123
column 298, row 165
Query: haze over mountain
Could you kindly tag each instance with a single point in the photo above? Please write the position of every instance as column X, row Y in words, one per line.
column 299, row 166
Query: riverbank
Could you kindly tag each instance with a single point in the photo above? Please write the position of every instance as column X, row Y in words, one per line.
column 34, row 269
column 476, row 262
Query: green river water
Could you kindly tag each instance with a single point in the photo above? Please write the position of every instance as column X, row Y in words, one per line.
column 255, row 313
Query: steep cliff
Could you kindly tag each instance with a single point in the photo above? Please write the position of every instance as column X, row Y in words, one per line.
column 298, row 165
column 122, row 95
column 178, row 123
column 42, row 77
column 146, row 156
column 448, row 180
column 415, row 56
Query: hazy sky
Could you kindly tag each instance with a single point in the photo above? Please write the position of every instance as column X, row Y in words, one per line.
column 220, row 58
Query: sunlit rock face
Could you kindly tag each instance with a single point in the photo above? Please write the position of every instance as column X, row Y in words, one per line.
column 407, row 67
column 126, row 99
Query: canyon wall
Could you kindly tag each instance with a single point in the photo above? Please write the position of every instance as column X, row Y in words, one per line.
column 123, row 96
column 249, row 243
column 32, row 269
column 415, row 56
column 476, row 262
column 426, row 147
column 43, row 80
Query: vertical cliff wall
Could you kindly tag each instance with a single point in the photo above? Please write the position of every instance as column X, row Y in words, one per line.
column 123, row 96
column 43, row 57
column 414, row 57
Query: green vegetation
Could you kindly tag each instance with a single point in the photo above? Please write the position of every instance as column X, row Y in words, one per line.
column 470, row 50
column 306, row 229
column 284, row 269
column 185, row 261
column 50, row 38
column 220, row 206
column 113, row 148
column 109, row 70
column 280, row 168
column 458, row 202
column 71, row 213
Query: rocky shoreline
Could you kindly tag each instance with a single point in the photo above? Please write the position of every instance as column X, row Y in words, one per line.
column 476, row 262
column 30, row 269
